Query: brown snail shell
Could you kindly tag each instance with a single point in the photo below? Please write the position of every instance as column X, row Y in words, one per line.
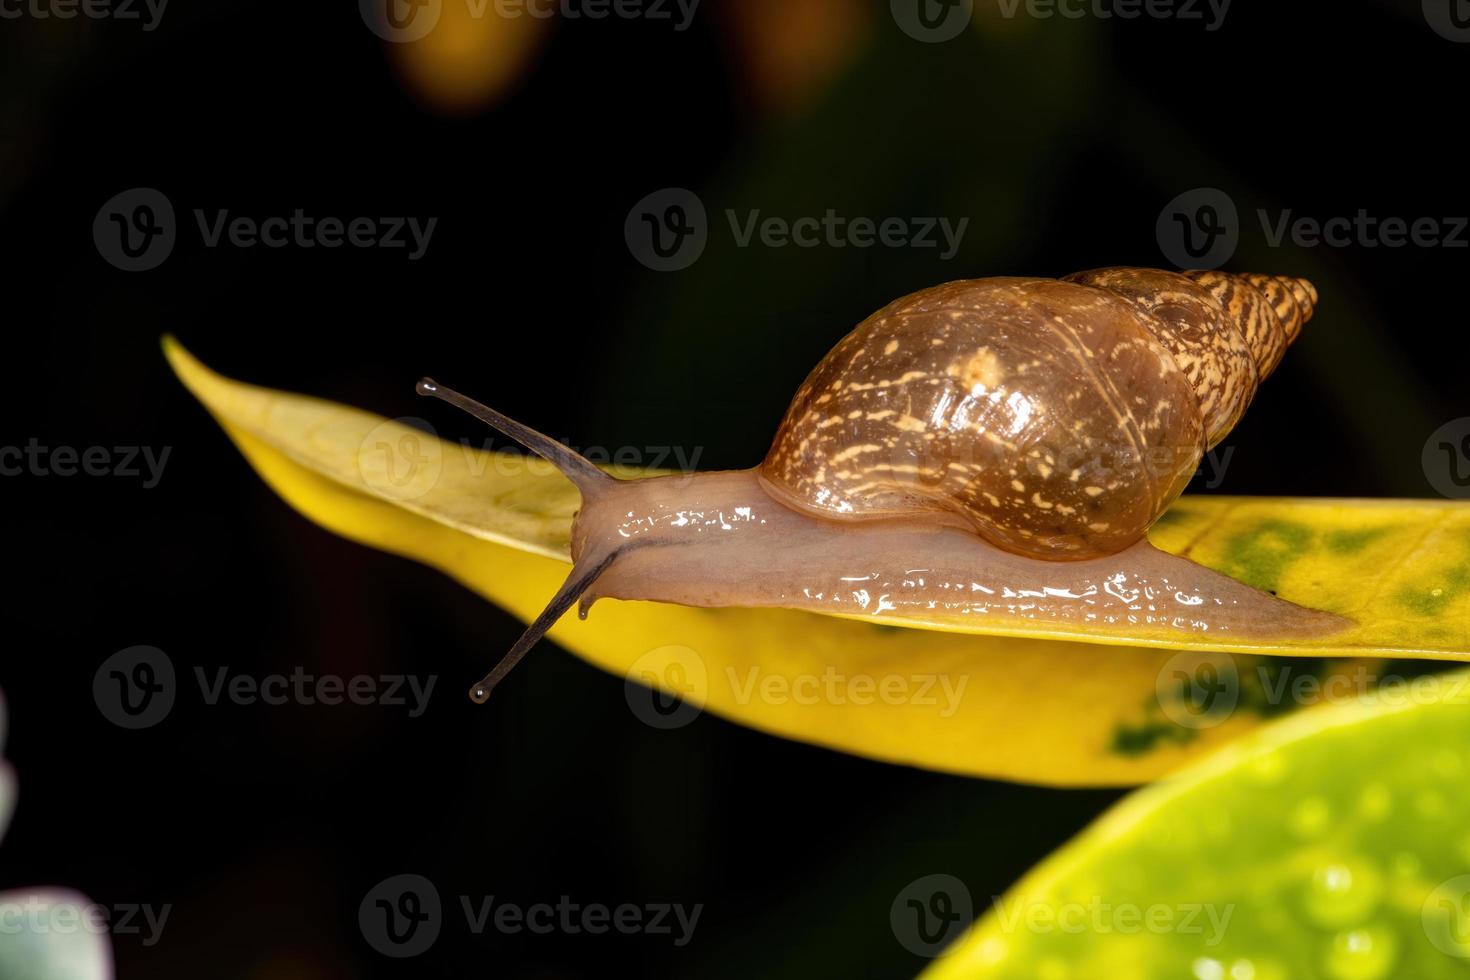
column 1055, row 418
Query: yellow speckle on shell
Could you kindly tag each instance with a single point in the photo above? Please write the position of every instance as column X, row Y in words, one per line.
column 983, row 370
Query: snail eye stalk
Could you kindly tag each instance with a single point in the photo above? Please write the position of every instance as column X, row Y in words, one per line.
column 573, row 466
column 589, row 480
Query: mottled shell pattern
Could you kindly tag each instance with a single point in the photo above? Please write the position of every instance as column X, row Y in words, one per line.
column 1055, row 418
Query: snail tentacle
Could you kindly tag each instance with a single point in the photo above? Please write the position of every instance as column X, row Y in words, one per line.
column 574, row 466
column 592, row 483
column 582, row 577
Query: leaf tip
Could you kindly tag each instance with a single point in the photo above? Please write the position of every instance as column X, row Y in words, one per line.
column 186, row 367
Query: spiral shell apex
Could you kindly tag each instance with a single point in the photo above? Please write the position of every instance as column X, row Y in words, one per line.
column 1055, row 418
column 1268, row 310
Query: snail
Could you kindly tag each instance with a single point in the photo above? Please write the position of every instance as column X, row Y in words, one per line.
column 983, row 448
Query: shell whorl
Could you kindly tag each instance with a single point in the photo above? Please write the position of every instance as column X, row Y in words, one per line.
column 1055, row 418
column 1227, row 332
column 1268, row 310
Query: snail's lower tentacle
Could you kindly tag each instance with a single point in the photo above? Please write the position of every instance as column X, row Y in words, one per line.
column 583, row 574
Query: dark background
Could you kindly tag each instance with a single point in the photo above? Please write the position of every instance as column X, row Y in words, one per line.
column 1061, row 140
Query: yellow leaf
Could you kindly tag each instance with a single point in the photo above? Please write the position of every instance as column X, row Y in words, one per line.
column 1025, row 708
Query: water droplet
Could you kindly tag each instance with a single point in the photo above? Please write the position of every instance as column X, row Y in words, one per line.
column 1208, row 969
column 1362, row 954
column 1342, row 893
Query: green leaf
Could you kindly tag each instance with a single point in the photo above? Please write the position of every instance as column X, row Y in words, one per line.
column 1332, row 844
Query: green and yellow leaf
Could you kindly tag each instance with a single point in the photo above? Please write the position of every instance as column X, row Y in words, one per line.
column 1027, row 708
column 1331, row 844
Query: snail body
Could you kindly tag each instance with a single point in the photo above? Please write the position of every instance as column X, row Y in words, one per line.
column 991, row 448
